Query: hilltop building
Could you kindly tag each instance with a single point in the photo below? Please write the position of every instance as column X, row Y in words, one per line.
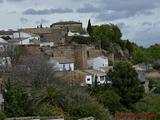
column 69, row 25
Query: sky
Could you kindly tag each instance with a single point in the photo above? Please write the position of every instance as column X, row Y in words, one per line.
column 139, row 20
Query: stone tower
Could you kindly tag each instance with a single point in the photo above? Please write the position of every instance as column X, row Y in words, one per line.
column 80, row 57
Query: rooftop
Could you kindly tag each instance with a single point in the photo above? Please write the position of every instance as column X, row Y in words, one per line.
column 63, row 60
column 95, row 72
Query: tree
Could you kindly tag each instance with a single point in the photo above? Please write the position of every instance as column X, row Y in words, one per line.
column 48, row 110
column 52, row 96
column 110, row 100
column 16, row 100
column 125, row 83
column 106, row 35
column 149, row 104
column 13, row 52
column 89, row 28
column 140, row 55
column 2, row 116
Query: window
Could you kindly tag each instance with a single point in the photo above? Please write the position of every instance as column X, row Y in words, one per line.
column 102, row 78
column 88, row 79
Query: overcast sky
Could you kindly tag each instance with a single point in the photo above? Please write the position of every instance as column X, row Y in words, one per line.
column 139, row 20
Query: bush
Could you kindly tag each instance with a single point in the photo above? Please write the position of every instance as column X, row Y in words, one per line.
column 110, row 100
column 48, row 110
column 2, row 116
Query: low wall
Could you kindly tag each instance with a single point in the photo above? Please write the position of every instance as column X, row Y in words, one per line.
column 36, row 118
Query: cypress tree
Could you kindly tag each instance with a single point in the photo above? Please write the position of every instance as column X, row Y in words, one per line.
column 89, row 28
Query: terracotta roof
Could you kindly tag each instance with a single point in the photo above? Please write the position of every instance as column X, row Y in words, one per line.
column 66, row 22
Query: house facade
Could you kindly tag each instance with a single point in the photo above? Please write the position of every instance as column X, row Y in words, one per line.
column 97, row 76
column 98, row 63
column 26, row 38
column 62, row 64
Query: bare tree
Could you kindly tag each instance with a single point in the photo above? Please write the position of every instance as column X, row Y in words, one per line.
column 34, row 71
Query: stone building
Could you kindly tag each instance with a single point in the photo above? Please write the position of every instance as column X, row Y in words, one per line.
column 69, row 25
column 79, row 53
column 57, row 36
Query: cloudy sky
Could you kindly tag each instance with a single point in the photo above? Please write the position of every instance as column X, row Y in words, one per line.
column 139, row 20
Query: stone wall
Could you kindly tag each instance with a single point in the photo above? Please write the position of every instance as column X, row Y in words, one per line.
column 93, row 53
column 79, row 53
column 89, row 118
column 80, row 56
column 70, row 27
column 35, row 118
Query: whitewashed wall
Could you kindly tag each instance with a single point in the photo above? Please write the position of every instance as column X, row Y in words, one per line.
column 97, row 63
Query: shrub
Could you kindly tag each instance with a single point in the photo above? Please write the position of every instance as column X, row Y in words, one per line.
column 2, row 116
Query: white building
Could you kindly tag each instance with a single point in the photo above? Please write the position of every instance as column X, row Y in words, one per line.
column 98, row 63
column 1, row 102
column 5, row 61
column 26, row 38
column 2, row 41
column 98, row 76
column 47, row 44
column 71, row 34
column 62, row 64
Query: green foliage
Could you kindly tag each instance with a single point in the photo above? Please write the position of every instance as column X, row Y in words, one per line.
column 149, row 104
column 88, row 108
column 110, row 100
column 89, row 28
column 125, row 83
column 146, row 55
column 139, row 55
column 82, row 40
column 16, row 100
column 48, row 110
column 154, row 52
column 105, row 35
column 154, row 83
column 156, row 65
column 2, row 116
column 52, row 96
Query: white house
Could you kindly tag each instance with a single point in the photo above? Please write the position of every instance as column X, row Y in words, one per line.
column 97, row 75
column 2, row 41
column 21, row 35
column 70, row 34
column 83, row 77
column 26, row 38
column 62, row 64
column 4, row 61
column 98, row 63
column 47, row 44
